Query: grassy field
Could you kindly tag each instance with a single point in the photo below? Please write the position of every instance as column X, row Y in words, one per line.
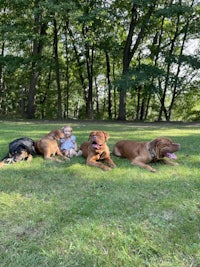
column 69, row 214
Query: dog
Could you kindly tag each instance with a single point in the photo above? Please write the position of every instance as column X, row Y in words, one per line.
column 48, row 146
column 96, row 151
column 19, row 149
column 141, row 153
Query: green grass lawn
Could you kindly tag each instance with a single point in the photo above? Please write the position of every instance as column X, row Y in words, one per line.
column 69, row 214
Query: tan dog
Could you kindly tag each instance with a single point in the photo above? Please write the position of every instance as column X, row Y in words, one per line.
column 141, row 153
column 48, row 146
column 96, row 150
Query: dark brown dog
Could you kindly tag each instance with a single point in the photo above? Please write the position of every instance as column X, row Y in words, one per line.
column 141, row 153
column 48, row 146
column 96, row 150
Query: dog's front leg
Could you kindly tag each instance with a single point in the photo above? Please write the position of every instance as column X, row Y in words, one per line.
column 93, row 162
column 30, row 157
column 59, row 153
column 143, row 165
column 110, row 162
column 165, row 161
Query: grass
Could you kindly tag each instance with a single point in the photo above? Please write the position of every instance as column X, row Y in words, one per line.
column 69, row 214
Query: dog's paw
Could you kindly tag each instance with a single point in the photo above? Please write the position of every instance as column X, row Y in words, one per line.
column 107, row 168
column 79, row 153
column 9, row 161
column 66, row 158
column 175, row 163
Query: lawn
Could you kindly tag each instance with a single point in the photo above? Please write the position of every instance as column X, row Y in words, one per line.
column 69, row 214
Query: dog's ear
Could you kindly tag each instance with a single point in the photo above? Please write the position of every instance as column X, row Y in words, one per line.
column 90, row 135
column 55, row 134
column 153, row 143
column 156, row 143
column 52, row 133
column 106, row 135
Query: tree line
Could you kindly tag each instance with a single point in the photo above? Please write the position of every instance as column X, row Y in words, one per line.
column 99, row 59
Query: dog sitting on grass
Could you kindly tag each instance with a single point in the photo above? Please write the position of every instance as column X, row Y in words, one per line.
column 48, row 146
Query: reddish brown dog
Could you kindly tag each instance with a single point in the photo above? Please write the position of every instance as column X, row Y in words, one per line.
column 96, row 151
column 141, row 153
column 48, row 146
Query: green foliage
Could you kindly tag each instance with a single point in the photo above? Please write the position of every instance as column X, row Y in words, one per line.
column 87, row 32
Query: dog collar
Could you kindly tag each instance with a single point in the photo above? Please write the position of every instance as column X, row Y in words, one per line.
column 152, row 153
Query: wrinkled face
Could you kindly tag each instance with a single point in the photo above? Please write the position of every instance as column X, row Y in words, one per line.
column 98, row 139
column 166, row 148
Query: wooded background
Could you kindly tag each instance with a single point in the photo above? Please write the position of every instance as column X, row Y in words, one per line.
column 120, row 59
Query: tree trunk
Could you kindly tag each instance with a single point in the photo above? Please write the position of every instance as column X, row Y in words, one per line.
column 66, row 104
column 79, row 65
column 1, row 79
column 126, row 62
column 139, row 90
column 89, row 65
column 109, row 86
column 57, row 65
column 32, row 92
column 37, row 52
column 129, row 52
column 163, row 96
column 174, row 93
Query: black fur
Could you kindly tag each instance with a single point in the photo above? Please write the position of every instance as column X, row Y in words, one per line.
column 19, row 149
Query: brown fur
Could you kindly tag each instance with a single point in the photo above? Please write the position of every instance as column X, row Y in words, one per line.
column 48, row 146
column 141, row 153
column 96, row 151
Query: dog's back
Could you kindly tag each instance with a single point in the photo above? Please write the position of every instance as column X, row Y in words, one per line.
column 24, row 142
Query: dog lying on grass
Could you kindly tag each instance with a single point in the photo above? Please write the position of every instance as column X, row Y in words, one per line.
column 96, row 151
column 141, row 153
column 48, row 146
column 19, row 149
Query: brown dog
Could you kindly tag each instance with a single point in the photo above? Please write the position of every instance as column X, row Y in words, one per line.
column 141, row 153
column 96, row 150
column 48, row 146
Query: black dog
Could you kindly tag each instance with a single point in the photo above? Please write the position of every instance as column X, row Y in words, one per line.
column 19, row 149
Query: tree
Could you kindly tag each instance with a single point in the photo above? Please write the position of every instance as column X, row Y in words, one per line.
column 97, row 59
column 39, row 31
column 138, row 26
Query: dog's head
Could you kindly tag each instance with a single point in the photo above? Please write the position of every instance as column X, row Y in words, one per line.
column 164, row 147
column 56, row 134
column 20, row 154
column 98, row 139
